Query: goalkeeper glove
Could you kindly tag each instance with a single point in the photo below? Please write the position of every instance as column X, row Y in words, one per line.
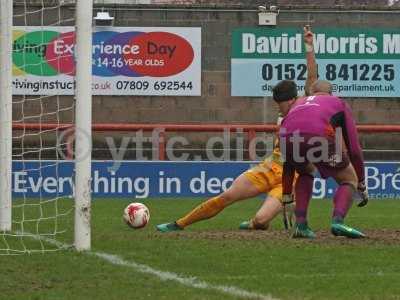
column 363, row 194
column 288, row 210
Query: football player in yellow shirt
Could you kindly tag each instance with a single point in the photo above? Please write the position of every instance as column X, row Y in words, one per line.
column 266, row 177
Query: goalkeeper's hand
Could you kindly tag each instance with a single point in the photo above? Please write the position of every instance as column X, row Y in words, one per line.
column 308, row 36
column 288, row 210
column 363, row 193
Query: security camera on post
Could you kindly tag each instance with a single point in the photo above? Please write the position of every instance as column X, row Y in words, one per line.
column 103, row 19
column 267, row 17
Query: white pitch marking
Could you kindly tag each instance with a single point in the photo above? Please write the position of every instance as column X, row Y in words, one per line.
column 165, row 275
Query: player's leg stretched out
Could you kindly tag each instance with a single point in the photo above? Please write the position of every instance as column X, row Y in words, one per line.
column 264, row 178
column 241, row 188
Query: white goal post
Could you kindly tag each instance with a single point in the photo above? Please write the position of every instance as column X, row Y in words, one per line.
column 6, row 16
column 83, row 131
column 16, row 221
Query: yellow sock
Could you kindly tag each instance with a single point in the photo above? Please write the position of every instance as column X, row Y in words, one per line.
column 204, row 211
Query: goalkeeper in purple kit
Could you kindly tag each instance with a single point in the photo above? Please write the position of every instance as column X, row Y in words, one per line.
column 311, row 138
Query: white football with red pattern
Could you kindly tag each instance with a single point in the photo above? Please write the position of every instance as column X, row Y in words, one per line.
column 136, row 215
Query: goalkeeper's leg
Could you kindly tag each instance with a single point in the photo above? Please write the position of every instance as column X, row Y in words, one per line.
column 303, row 193
column 347, row 180
column 342, row 201
column 241, row 188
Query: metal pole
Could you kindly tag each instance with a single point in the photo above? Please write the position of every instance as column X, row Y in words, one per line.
column 6, row 16
column 83, row 130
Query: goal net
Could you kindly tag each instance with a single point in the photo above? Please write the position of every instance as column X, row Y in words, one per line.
column 45, row 51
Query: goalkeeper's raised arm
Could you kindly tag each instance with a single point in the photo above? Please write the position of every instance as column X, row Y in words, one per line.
column 312, row 68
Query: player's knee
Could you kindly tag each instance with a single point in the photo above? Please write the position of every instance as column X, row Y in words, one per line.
column 226, row 198
column 229, row 196
column 347, row 176
column 259, row 219
column 259, row 222
column 351, row 183
column 350, row 178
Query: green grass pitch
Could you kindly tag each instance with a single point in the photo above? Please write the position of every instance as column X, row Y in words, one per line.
column 213, row 251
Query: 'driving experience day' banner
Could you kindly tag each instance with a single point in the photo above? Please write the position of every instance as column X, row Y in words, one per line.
column 126, row 61
column 358, row 62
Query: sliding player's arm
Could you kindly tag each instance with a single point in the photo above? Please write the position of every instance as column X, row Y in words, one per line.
column 312, row 68
column 350, row 136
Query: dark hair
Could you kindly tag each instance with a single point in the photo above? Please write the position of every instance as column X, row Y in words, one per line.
column 285, row 90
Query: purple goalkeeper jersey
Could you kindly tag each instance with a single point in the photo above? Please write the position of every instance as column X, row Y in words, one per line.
column 319, row 116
